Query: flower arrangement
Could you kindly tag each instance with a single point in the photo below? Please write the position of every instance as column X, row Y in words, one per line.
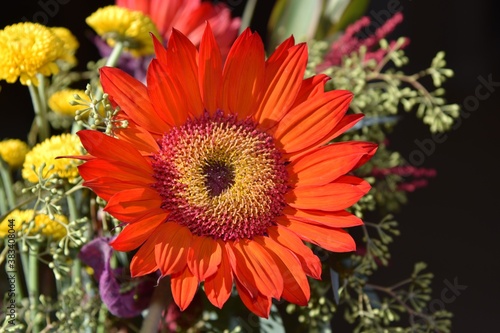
column 203, row 181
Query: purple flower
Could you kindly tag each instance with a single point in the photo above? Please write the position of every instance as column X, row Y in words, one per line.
column 124, row 297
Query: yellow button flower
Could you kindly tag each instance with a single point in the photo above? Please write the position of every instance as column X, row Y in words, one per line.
column 42, row 224
column 70, row 44
column 46, row 152
column 60, row 101
column 133, row 28
column 13, row 151
column 28, row 49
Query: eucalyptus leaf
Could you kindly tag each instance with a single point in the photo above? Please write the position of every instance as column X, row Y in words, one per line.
column 355, row 10
column 293, row 17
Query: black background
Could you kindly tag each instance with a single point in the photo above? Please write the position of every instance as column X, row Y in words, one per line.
column 452, row 224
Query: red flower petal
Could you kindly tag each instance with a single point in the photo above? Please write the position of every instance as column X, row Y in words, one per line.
column 309, row 261
column 327, row 163
column 282, row 82
column 243, row 75
column 255, row 268
column 98, row 169
column 337, row 219
column 296, row 287
column 184, row 286
column 339, row 195
column 310, row 122
column 166, row 94
column 311, row 88
column 332, row 239
column 257, row 303
column 131, row 96
column 134, row 234
column 183, row 65
column 210, row 71
column 218, row 286
column 204, row 256
column 172, row 244
column 132, row 205
column 143, row 262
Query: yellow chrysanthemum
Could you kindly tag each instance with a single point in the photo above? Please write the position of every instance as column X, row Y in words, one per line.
column 133, row 28
column 41, row 224
column 70, row 44
column 46, row 152
column 28, row 49
column 13, row 152
column 59, row 102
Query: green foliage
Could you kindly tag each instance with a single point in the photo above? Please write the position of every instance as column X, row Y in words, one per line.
column 383, row 88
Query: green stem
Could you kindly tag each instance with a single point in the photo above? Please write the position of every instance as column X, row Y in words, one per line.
column 73, row 216
column 12, row 269
column 7, row 183
column 33, row 290
column 111, row 62
column 115, row 55
column 246, row 19
column 161, row 298
column 73, row 211
column 4, row 206
column 40, row 108
column 101, row 319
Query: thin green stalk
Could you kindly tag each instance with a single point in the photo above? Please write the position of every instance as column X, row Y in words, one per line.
column 111, row 62
column 12, row 268
column 73, row 216
column 33, row 288
column 101, row 320
column 161, row 297
column 40, row 109
column 115, row 54
column 246, row 18
column 7, row 183
column 24, row 259
column 4, row 206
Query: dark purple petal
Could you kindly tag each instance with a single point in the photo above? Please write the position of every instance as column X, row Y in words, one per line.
column 123, row 299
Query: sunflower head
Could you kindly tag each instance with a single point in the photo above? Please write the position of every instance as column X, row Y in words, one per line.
column 34, row 224
column 43, row 159
column 13, row 152
column 226, row 169
column 132, row 28
column 29, row 49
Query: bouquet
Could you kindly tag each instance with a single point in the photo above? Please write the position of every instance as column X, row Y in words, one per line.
column 195, row 178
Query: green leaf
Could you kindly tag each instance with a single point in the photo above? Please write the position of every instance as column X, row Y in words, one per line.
column 293, row 17
column 352, row 13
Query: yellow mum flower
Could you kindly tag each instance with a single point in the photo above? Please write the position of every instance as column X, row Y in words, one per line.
column 118, row 24
column 13, row 151
column 28, row 49
column 59, row 102
column 41, row 224
column 70, row 44
column 46, row 152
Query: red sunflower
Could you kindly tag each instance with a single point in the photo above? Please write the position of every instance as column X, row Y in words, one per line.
column 224, row 171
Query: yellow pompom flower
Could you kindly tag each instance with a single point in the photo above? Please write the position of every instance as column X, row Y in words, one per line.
column 132, row 28
column 42, row 223
column 60, row 101
column 70, row 44
column 28, row 49
column 13, row 152
column 46, row 152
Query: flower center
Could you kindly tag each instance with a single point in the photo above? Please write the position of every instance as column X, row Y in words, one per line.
column 221, row 177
